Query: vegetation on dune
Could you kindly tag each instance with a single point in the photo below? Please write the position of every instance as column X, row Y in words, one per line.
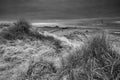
column 17, row 31
column 23, row 30
column 101, row 57
column 97, row 59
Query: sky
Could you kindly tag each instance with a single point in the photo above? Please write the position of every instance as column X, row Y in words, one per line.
column 58, row 9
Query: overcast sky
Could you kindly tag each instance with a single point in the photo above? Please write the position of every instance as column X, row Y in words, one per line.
column 58, row 9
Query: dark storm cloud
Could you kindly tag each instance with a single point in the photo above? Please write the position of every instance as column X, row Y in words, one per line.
column 58, row 9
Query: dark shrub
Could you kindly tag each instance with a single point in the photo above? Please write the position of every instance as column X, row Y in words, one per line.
column 21, row 26
column 18, row 31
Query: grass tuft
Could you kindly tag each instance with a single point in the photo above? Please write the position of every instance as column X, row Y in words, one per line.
column 99, row 55
column 96, row 60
